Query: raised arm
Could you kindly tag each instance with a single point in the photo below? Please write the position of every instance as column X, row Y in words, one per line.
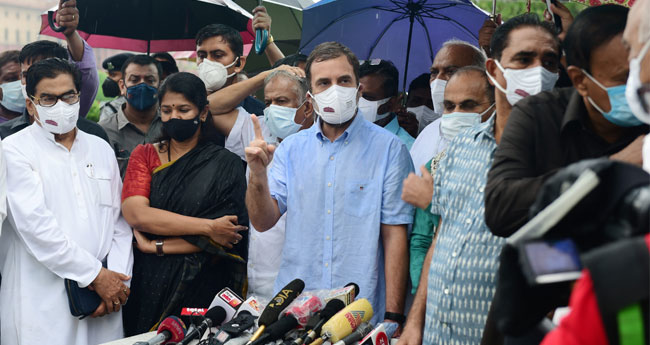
column 262, row 20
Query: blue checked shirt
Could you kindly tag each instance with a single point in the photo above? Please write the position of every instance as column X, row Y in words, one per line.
column 462, row 274
column 336, row 195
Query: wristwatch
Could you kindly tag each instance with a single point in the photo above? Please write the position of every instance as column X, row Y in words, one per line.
column 159, row 247
column 399, row 318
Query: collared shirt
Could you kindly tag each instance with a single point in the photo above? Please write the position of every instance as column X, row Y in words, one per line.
column 125, row 136
column 108, row 108
column 427, row 145
column 64, row 220
column 336, row 196
column 243, row 132
column 544, row 133
column 404, row 136
column 462, row 273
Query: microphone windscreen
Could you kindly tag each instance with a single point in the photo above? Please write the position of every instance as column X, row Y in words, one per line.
column 281, row 300
column 356, row 288
column 174, row 326
column 216, row 315
column 278, row 329
column 347, row 320
column 332, row 307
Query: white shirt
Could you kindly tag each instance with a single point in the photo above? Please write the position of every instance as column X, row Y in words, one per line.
column 243, row 132
column 427, row 145
column 64, row 219
column 264, row 248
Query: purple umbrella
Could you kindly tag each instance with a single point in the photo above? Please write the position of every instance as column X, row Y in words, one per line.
column 407, row 32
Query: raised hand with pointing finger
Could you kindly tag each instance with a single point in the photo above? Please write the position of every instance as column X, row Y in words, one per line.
column 259, row 154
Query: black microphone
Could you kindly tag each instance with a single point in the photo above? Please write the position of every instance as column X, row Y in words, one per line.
column 235, row 327
column 358, row 334
column 317, row 321
column 277, row 330
column 272, row 311
column 214, row 316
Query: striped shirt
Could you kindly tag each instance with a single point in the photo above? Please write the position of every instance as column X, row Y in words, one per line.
column 462, row 274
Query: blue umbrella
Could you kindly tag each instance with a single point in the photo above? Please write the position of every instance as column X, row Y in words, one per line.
column 407, row 32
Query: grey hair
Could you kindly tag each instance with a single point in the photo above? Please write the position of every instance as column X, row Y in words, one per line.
column 479, row 57
column 300, row 85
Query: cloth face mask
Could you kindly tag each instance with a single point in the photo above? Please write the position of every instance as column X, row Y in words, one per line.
column 634, row 83
column 524, row 82
column 438, row 94
column 110, row 88
column 215, row 74
column 60, row 118
column 337, row 104
column 281, row 120
column 12, row 96
column 142, row 96
column 620, row 114
column 181, row 129
column 368, row 109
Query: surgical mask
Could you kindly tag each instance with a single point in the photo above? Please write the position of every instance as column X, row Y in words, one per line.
column 620, row 114
column 60, row 118
column 215, row 74
column 368, row 109
column 337, row 104
column 524, row 82
column 281, row 120
column 181, row 129
column 438, row 94
column 110, row 88
column 634, row 83
column 142, row 96
column 453, row 123
column 12, row 96
column 423, row 114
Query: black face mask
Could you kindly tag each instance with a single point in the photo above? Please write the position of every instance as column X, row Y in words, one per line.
column 110, row 88
column 181, row 130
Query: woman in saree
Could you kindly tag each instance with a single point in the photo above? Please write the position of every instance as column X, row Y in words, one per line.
column 184, row 197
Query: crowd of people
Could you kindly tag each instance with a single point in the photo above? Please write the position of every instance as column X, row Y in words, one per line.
column 189, row 184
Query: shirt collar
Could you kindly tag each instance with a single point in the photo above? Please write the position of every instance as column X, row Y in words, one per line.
column 393, row 126
column 575, row 111
column 486, row 129
column 122, row 121
column 357, row 122
column 49, row 136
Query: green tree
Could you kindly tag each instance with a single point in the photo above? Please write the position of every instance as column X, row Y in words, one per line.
column 510, row 8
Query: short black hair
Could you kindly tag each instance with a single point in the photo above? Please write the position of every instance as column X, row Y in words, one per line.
column 291, row 60
column 230, row 35
column 421, row 82
column 592, row 28
column 50, row 69
column 9, row 56
column 40, row 50
column 142, row 60
column 193, row 89
column 168, row 64
column 387, row 70
column 328, row 51
column 499, row 40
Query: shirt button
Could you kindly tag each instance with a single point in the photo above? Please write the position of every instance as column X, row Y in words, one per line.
column 468, row 221
column 446, row 291
column 482, row 189
column 329, row 184
column 327, row 238
column 329, row 211
column 331, row 158
column 454, row 254
column 326, row 264
column 346, row 142
column 74, row 173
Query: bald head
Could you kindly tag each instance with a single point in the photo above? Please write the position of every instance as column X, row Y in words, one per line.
column 453, row 55
column 468, row 91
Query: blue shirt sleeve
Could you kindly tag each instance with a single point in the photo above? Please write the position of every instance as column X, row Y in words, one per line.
column 89, row 79
column 394, row 211
column 278, row 177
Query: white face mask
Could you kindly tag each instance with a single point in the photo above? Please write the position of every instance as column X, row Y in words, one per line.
column 438, row 94
column 281, row 121
column 524, row 82
column 214, row 74
column 60, row 118
column 452, row 123
column 337, row 104
column 368, row 109
column 12, row 97
column 423, row 114
column 634, row 83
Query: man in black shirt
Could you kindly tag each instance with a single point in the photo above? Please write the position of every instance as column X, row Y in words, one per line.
column 554, row 129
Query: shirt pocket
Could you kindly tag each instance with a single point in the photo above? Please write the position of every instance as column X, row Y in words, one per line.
column 359, row 198
column 100, row 186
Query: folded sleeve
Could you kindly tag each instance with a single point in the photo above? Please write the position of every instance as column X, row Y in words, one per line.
column 89, row 79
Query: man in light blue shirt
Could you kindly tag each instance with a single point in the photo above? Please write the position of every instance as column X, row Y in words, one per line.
column 339, row 183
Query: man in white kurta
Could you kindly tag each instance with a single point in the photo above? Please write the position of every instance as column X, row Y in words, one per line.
column 63, row 221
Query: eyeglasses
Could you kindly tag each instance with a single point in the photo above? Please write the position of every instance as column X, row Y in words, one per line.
column 51, row 100
column 644, row 96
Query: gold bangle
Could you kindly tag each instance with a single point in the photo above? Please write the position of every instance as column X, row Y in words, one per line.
column 270, row 40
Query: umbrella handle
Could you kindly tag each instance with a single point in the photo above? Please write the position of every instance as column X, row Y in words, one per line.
column 261, row 40
column 50, row 20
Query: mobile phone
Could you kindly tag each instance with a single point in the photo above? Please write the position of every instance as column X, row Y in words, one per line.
column 545, row 262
